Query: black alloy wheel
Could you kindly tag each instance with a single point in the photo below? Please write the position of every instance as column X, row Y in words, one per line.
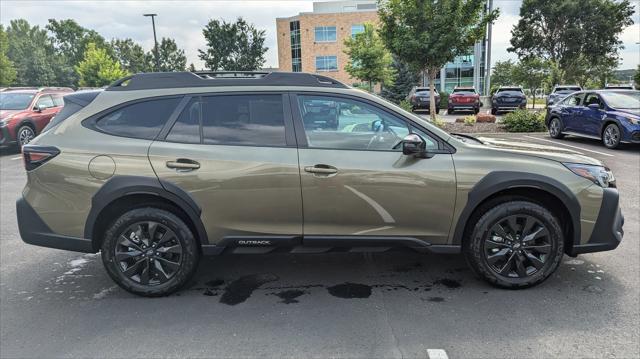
column 148, row 253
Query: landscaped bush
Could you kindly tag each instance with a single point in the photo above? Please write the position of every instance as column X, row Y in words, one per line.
column 485, row 118
column 439, row 122
column 469, row 120
column 405, row 104
column 444, row 99
column 524, row 121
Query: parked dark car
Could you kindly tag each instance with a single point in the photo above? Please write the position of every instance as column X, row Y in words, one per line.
column 561, row 91
column 464, row 98
column 421, row 100
column 25, row 111
column 612, row 116
column 508, row 98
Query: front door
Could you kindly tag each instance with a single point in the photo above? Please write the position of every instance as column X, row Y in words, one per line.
column 356, row 182
column 590, row 119
column 570, row 108
column 43, row 110
column 236, row 156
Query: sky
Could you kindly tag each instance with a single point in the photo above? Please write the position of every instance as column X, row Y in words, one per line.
column 184, row 20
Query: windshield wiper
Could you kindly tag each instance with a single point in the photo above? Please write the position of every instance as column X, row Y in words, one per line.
column 462, row 135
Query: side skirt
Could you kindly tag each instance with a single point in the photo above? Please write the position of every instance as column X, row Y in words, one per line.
column 323, row 244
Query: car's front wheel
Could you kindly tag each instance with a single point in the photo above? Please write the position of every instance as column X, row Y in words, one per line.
column 150, row 252
column 555, row 128
column 611, row 136
column 24, row 135
column 515, row 244
column 494, row 111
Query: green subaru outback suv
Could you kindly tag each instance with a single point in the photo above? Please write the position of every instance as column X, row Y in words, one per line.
column 162, row 168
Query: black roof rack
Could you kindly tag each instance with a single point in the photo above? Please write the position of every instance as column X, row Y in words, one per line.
column 158, row 80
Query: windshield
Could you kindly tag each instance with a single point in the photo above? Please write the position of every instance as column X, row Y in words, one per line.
column 424, row 92
column 15, row 101
column 514, row 89
column 626, row 100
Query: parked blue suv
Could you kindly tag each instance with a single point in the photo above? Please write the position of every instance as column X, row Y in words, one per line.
column 612, row 116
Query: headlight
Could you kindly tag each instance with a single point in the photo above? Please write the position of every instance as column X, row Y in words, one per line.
column 599, row 175
column 633, row 120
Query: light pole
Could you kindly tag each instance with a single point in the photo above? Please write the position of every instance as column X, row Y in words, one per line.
column 155, row 39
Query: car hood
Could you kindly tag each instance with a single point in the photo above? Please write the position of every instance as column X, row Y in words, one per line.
column 7, row 113
column 542, row 151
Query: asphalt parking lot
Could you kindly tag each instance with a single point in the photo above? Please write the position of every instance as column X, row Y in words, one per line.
column 392, row 305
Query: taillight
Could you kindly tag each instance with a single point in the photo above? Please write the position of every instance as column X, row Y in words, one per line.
column 35, row 156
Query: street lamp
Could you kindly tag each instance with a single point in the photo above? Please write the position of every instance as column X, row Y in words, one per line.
column 155, row 39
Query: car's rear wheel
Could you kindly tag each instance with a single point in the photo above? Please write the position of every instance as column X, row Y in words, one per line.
column 555, row 128
column 476, row 110
column 150, row 252
column 437, row 110
column 494, row 111
column 24, row 135
column 451, row 111
column 611, row 136
column 515, row 244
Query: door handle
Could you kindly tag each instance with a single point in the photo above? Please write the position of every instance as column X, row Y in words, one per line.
column 321, row 169
column 183, row 164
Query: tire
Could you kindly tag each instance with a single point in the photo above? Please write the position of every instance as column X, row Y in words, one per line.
column 169, row 265
column 495, row 258
column 437, row 110
column 451, row 111
column 24, row 135
column 611, row 136
column 476, row 111
column 494, row 111
column 555, row 128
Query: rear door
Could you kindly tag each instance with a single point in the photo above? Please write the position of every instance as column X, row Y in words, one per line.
column 236, row 155
column 356, row 184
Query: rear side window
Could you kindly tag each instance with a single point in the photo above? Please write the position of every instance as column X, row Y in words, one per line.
column 72, row 104
column 142, row 120
column 69, row 109
column 187, row 126
column 256, row 120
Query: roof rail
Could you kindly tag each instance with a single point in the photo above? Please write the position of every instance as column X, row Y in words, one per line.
column 158, row 80
column 23, row 88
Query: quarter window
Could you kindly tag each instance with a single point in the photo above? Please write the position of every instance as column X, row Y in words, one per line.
column 326, row 63
column 325, row 33
column 139, row 120
column 339, row 123
column 256, row 120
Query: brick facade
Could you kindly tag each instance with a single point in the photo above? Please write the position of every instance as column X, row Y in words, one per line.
column 310, row 49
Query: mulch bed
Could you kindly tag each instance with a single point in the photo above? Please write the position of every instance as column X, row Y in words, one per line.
column 455, row 127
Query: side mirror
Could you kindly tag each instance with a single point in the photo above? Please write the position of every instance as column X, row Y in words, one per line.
column 594, row 106
column 413, row 144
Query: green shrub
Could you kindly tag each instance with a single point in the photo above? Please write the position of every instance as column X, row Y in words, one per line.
column 444, row 99
column 469, row 120
column 406, row 105
column 524, row 121
column 439, row 122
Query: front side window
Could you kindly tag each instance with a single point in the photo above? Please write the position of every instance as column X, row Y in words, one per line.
column 45, row 101
column 592, row 99
column 326, row 63
column 139, row 120
column 256, row 120
column 57, row 100
column 325, row 34
column 574, row 100
column 346, row 124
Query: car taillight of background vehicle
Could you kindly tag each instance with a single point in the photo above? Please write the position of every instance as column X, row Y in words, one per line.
column 35, row 156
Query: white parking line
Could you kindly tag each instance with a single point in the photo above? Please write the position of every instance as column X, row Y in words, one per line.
column 16, row 158
column 564, row 144
column 437, row 354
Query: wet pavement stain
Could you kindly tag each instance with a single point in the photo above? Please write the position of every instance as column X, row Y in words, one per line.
column 290, row 296
column 241, row 289
column 436, row 299
column 449, row 283
column 350, row 290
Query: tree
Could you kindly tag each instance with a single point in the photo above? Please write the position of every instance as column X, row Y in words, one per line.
column 235, row 46
column 98, row 68
column 405, row 80
column 131, row 56
column 636, row 78
column 192, row 67
column 531, row 72
column 170, row 57
column 571, row 33
column 7, row 70
column 31, row 52
column 369, row 60
column 502, row 74
column 427, row 34
column 69, row 41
